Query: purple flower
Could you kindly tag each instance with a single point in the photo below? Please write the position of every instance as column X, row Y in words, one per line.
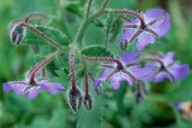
column 32, row 89
column 166, row 67
column 130, row 71
column 156, row 23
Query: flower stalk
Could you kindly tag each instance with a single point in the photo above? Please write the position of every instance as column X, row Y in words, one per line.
column 40, row 65
column 40, row 34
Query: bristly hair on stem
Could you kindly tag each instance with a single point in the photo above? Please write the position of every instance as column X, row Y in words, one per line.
column 134, row 13
column 87, row 13
column 41, row 65
column 72, row 68
column 27, row 18
column 40, row 34
column 118, row 62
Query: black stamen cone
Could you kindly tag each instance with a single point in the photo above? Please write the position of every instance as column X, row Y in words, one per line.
column 75, row 99
column 88, row 102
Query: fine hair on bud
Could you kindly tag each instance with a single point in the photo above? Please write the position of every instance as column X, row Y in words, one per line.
column 17, row 32
column 88, row 102
column 75, row 99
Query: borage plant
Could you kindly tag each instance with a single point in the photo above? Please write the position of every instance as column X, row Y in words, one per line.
column 129, row 66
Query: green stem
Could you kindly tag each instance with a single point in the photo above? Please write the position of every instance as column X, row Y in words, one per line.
column 87, row 20
column 88, row 9
column 84, row 25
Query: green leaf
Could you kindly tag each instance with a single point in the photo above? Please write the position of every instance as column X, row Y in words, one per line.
column 92, row 118
column 57, row 36
column 95, row 50
column 183, row 92
column 109, row 23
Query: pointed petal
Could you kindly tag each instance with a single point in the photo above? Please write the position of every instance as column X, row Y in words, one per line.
column 127, row 35
column 7, row 87
column 162, row 27
column 135, row 35
column 118, row 78
column 130, row 57
column 18, row 89
column 96, row 84
column 52, row 87
column 179, row 71
column 105, row 74
column 168, row 58
column 143, row 40
column 151, row 31
column 152, row 14
column 161, row 76
column 144, row 73
column 33, row 92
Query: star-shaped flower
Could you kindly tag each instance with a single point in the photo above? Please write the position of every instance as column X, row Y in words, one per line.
column 130, row 71
column 156, row 23
column 166, row 67
column 32, row 89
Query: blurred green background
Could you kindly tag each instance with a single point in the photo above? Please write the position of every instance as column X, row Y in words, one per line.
column 157, row 110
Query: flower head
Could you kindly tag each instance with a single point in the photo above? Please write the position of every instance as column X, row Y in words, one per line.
column 130, row 71
column 156, row 23
column 166, row 67
column 32, row 89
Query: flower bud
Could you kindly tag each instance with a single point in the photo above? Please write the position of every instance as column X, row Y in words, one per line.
column 75, row 99
column 98, row 90
column 139, row 97
column 88, row 102
column 17, row 33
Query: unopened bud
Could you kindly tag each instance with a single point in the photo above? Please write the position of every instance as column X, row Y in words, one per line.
column 17, row 33
column 98, row 90
column 139, row 97
column 75, row 99
column 88, row 102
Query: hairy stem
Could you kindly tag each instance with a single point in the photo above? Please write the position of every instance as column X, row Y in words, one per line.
column 88, row 9
column 118, row 62
column 42, row 65
column 134, row 13
column 86, row 85
column 72, row 68
column 86, row 22
column 27, row 18
column 41, row 34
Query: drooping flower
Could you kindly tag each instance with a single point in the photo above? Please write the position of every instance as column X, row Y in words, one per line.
column 166, row 67
column 130, row 71
column 32, row 89
column 155, row 23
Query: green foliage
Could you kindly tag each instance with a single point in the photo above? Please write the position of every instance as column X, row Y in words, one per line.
column 33, row 39
column 112, row 109
column 85, row 120
column 95, row 50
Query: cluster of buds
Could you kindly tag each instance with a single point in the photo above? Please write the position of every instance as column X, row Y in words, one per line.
column 147, row 26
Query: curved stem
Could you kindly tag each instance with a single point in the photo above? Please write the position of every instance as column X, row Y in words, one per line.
column 118, row 62
column 40, row 34
column 27, row 18
column 134, row 13
column 153, row 59
column 42, row 65
column 84, row 25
